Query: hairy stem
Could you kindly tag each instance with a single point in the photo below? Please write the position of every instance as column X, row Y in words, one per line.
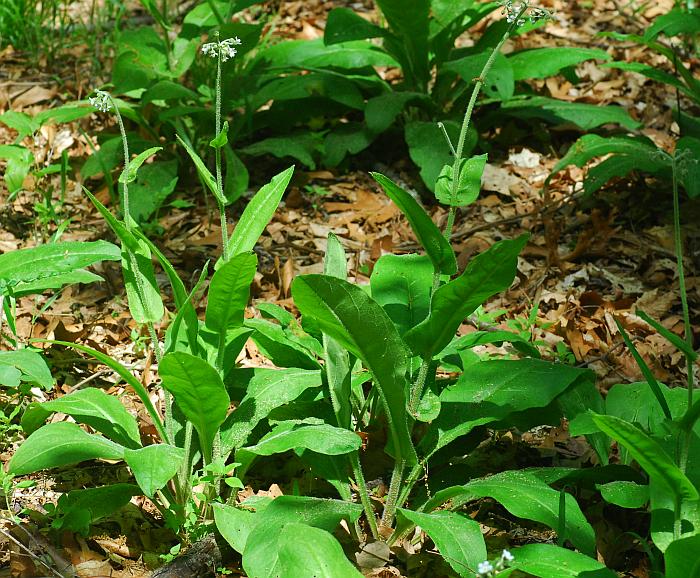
column 467, row 120
column 678, row 242
column 418, row 386
column 392, row 497
column 219, row 179
column 364, row 493
column 127, row 158
column 141, row 290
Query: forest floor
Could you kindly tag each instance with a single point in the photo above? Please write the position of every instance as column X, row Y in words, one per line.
column 588, row 259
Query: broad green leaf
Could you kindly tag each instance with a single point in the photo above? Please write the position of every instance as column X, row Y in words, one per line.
column 646, row 372
column 234, row 524
column 476, row 338
column 154, row 466
column 268, row 389
column 28, row 265
column 274, row 311
column 129, row 173
column 687, row 154
column 278, row 347
column 168, row 90
column 636, row 403
column 110, row 155
column 323, row 439
column 428, row 148
column 358, row 323
column 28, row 366
column 584, row 116
column 663, row 506
column 401, row 284
column 258, row 213
column 410, row 23
column 336, row 358
column 427, row 233
column 229, row 292
column 628, row 154
column 490, row 391
column 649, row 454
column 63, row 114
column 381, row 111
column 199, row 393
column 654, row 73
column 154, row 183
column 126, row 375
column 500, row 82
column 549, row 561
column 576, row 402
column 545, row 62
column 312, row 54
column 681, row 558
column 309, row 551
column 10, row 376
column 526, row 496
column 675, row 22
column 591, row 146
column 261, row 554
column 100, row 411
column 61, row 444
column 78, row 509
column 55, row 282
column 303, row 147
column 19, row 163
column 458, row 538
column 221, row 139
column 344, row 24
column 624, row 494
column 469, row 182
column 348, row 139
column 209, row 346
column 203, row 171
column 616, row 166
column 183, row 301
column 24, row 124
column 126, row 236
column 487, row 274
column 334, row 469
column 236, row 178
column 312, row 85
column 142, row 291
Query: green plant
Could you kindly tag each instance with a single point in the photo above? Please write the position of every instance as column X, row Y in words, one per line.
column 336, row 78
column 676, row 24
column 381, row 350
column 362, row 363
column 20, row 159
column 148, row 65
column 658, row 427
column 637, row 153
column 197, row 358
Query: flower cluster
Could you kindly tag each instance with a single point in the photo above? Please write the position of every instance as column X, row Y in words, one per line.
column 101, row 101
column 223, row 49
column 488, row 570
column 515, row 12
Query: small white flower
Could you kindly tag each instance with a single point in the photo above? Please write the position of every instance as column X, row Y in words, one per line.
column 101, row 101
column 484, row 567
column 506, row 556
column 224, row 49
